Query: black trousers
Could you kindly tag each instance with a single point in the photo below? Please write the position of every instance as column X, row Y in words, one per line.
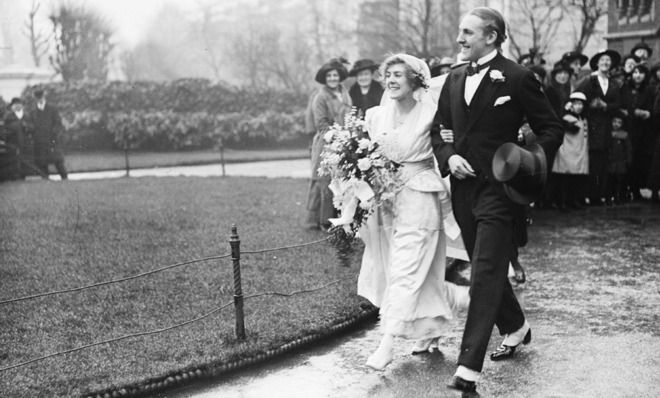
column 598, row 176
column 486, row 217
column 45, row 156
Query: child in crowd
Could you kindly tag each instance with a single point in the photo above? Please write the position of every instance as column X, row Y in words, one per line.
column 620, row 158
column 571, row 165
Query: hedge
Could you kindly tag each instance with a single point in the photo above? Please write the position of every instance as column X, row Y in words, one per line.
column 182, row 114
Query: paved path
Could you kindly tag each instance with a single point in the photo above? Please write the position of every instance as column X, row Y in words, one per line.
column 298, row 168
column 592, row 299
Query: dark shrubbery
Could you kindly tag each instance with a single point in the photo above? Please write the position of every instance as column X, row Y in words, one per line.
column 178, row 115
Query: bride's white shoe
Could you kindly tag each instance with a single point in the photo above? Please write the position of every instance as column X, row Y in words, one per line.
column 383, row 355
column 380, row 358
column 425, row 345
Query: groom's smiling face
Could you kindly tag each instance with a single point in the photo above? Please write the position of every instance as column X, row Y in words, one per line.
column 473, row 40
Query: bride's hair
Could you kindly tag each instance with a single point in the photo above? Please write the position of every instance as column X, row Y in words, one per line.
column 494, row 22
column 415, row 78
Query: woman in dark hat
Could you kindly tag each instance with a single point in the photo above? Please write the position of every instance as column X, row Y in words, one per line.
column 366, row 92
column 329, row 106
column 642, row 51
column 637, row 102
column 603, row 99
column 559, row 87
column 628, row 63
column 576, row 60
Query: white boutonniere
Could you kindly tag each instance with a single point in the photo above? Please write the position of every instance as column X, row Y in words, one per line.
column 496, row 76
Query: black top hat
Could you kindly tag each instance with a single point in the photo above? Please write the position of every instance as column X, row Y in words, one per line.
column 573, row 55
column 38, row 94
column 362, row 64
column 333, row 64
column 523, row 171
column 642, row 45
column 561, row 66
column 614, row 56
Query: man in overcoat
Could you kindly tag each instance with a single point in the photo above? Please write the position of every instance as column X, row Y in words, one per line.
column 17, row 131
column 48, row 127
column 484, row 102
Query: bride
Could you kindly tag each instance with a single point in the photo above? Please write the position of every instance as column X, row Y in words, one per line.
column 403, row 266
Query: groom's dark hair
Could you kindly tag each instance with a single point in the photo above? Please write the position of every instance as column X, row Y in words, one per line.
column 494, row 22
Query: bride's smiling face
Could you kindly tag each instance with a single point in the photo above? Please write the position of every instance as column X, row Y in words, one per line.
column 396, row 80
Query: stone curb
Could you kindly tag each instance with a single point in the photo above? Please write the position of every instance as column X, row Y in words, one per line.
column 211, row 371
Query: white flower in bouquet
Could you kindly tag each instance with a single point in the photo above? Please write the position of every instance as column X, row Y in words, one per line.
column 364, row 164
column 329, row 135
column 332, row 160
column 336, row 146
column 364, row 143
column 343, row 135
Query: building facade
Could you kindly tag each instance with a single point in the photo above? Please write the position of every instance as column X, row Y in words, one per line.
column 631, row 22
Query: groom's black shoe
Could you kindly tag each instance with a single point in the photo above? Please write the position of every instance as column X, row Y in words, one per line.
column 459, row 383
column 507, row 351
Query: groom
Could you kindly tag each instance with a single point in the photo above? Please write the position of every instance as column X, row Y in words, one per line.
column 484, row 102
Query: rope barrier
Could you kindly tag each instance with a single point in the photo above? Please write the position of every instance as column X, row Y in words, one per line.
column 162, row 330
column 76, row 289
column 285, row 247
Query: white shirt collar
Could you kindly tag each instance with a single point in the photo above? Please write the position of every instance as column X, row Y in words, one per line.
column 19, row 114
column 487, row 58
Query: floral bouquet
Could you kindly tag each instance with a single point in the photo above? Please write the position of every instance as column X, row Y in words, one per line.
column 363, row 179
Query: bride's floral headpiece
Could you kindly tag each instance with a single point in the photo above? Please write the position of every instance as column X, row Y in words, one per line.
column 419, row 68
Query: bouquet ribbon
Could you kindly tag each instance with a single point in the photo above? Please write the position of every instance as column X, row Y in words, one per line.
column 352, row 191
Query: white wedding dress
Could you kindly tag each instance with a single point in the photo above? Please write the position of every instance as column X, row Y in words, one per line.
column 403, row 266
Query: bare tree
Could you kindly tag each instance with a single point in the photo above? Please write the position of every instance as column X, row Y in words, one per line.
column 424, row 28
column 535, row 25
column 82, row 43
column 209, row 37
column 38, row 39
column 590, row 12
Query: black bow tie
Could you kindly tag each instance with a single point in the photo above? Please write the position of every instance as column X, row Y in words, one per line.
column 474, row 68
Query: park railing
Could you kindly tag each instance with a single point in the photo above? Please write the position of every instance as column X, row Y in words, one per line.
column 238, row 299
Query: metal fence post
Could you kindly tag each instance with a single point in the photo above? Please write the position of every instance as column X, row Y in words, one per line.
column 222, row 156
column 235, row 244
column 126, row 163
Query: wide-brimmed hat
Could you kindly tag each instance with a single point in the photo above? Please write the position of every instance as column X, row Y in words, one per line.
column 16, row 100
column 573, row 55
column 438, row 63
column 642, row 45
column 362, row 64
column 333, row 64
column 614, row 56
column 523, row 171
column 561, row 66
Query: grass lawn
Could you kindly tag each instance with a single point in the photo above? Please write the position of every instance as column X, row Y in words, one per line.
column 99, row 161
column 62, row 235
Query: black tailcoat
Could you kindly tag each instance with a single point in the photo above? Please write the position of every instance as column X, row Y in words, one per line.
column 482, row 209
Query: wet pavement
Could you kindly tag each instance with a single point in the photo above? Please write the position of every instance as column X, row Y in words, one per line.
column 592, row 298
